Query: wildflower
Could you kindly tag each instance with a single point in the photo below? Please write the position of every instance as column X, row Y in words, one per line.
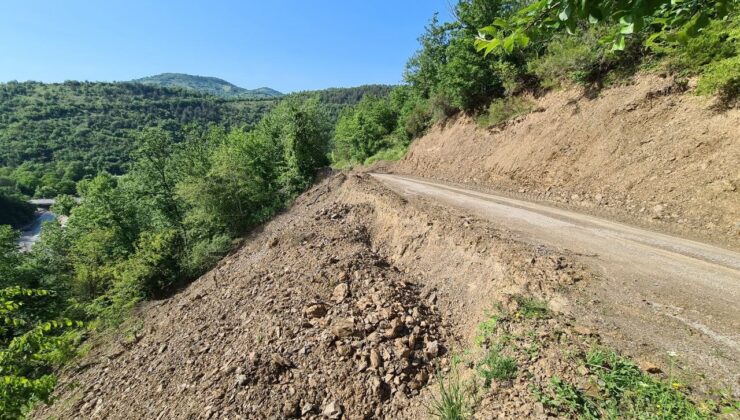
column 676, row 385
column 672, row 354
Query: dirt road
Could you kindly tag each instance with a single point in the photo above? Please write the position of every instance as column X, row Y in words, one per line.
column 655, row 294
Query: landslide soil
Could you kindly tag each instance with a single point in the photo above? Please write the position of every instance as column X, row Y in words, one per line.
column 648, row 153
column 349, row 305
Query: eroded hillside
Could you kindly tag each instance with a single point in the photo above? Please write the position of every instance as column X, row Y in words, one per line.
column 648, row 153
column 352, row 304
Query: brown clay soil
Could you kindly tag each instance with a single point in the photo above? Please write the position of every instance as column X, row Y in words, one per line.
column 646, row 153
column 349, row 305
column 651, row 294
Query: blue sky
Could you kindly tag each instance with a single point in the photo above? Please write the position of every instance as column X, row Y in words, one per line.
column 287, row 45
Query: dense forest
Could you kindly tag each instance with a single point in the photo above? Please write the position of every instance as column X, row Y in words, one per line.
column 169, row 177
column 54, row 135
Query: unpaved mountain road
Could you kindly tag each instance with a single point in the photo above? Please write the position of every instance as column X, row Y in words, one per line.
column 655, row 294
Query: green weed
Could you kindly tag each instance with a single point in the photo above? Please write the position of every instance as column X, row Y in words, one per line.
column 453, row 402
column 620, row 390
column 392, row 154
column 497, row 367
column 486, row 329
column 531, row 308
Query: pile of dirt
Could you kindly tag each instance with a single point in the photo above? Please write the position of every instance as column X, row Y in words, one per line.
column 647, row 153
column 349, row 305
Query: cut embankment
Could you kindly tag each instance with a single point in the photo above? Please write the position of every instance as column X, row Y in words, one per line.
column 355, row 303
column 647, row 153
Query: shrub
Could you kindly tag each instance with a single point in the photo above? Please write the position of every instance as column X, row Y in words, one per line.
column 391, row 154
column 716, row 42
column 504, row 109
column 722, row 78
column 582, row 59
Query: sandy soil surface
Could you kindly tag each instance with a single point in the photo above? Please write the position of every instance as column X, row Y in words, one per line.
column 654, row 294
column 647, row 153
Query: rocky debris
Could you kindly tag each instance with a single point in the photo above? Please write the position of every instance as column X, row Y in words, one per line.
column 350, row 314
column 307, row 320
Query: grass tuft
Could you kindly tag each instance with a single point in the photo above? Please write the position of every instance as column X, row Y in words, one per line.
column 453, row 402
column 497, row 367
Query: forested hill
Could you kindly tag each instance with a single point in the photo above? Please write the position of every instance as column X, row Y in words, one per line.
column 94, row 124
column 336, row 99
column 209, row 85
column 52, row 135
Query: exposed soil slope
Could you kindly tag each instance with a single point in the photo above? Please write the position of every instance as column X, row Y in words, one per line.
column 653, row 293
column 646, row 153
column 344, row 306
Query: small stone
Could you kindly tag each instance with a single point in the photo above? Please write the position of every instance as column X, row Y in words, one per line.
column 650, row 367
column 315, row 311
column 375, row 360
column 306, row 409
column 291, row 409
column 395, row 328
column 343, row 327
column 431, row 349
column 340, row 292
column 333, row 410
column 278, row 361
column 580, row 329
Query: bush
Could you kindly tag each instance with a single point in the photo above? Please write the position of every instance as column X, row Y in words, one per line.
column 716, row 42
column 714, row 56
column 504, row 109
column 391, row 154
column 363, row 130
column 584, row 60
column 567, row 60
column 723, row 79
column 468, row 79
column 14, row 210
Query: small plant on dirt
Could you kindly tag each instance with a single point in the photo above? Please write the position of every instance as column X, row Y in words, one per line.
column 497, row 367
column 486, row 330
column 531, row 308
column 535, row 345
column 453, row 402
column 620, row 390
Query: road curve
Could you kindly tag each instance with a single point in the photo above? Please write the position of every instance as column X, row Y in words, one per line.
column 656, row 293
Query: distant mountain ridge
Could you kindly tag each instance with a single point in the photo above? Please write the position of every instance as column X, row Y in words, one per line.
column 210, row 85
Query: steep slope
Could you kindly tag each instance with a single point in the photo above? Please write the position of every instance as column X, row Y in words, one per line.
column 345, row 306
column 647, row 153
column 209, row 85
